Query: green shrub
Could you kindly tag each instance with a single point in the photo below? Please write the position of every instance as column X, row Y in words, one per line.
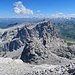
column 69, row 43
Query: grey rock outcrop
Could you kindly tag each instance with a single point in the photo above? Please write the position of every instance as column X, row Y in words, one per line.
column 17, row 67
column 35, row 52
column 68, row 52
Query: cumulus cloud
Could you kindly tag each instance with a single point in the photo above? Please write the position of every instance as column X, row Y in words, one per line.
column 21, row 9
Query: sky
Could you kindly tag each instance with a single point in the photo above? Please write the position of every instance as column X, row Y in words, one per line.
column 37, row 8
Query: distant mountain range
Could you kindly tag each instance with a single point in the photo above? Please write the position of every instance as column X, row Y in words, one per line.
column 11, row 21
column 5, row 22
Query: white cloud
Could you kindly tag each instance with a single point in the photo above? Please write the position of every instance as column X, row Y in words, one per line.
column 38, row 11
column 21, row 9
column 56, row 15
column 60, row 13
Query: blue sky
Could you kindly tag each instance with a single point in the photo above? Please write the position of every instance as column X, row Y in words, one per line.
column 37, row 8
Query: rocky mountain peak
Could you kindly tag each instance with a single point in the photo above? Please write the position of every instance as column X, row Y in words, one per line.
column 39, row 42
column 35, row 43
